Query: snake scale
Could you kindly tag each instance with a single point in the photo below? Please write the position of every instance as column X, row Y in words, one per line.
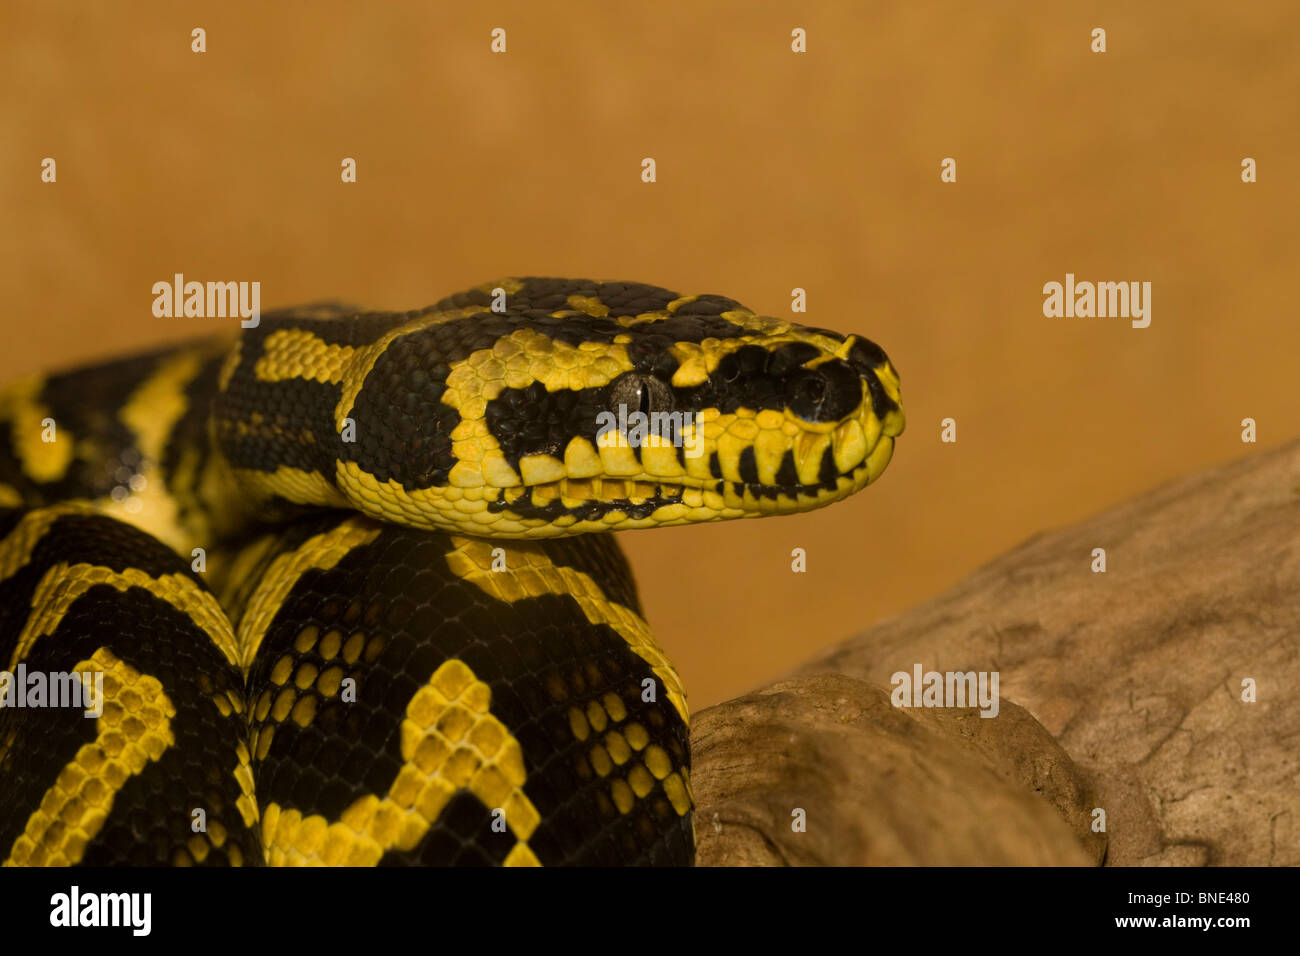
column 326, row 592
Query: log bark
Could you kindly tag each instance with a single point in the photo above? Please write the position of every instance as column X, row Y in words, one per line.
column 1127, row 691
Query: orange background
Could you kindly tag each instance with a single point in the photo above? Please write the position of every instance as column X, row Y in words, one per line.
column 775, row 170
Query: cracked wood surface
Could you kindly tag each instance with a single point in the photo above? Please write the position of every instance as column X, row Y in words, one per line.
column 1135, row 676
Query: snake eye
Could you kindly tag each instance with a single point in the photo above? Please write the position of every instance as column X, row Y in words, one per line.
column 638, row 392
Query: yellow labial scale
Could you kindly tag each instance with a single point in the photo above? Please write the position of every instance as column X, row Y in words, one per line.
column 743, row 426
column 849, row 445
column 497, row 471
column 879, row 458
column 808, row 450
column 616, row 457
column 537, row 469
column 659, row 458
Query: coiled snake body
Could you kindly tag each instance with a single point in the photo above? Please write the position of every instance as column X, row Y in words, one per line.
column 336, row 577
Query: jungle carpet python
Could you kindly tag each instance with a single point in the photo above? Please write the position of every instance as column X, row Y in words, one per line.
column 335, row 581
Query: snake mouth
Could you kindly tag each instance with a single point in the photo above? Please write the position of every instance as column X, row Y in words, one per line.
column 642, row 496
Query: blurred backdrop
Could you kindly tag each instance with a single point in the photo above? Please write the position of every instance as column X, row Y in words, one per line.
column 776, row 170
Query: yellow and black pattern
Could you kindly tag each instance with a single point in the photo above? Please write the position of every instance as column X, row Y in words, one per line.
column 407, row 648
column 512, row 699
column 151, row 780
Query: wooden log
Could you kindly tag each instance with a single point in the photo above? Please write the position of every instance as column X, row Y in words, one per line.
column 1164, row 692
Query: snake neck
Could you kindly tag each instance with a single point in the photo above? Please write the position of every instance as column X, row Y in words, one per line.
column 281, row 423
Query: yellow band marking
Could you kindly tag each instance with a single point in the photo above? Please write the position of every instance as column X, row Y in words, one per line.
column 450, row 742
column 320, row 552
column 530, row 573
column 292, row 484
column 516, row 361
column 16, row 548
column 508, row 285
column 298, row 354
column 64, row 583
column 228, row 367
column 151, row 413
column 41, row 461
column 157, row 405
column 588, row 305
column 365, row 357
column 134, row 729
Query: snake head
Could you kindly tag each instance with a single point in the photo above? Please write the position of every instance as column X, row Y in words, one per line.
column 579, row 406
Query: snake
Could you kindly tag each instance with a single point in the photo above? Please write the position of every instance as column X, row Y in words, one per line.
column 338, row 588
